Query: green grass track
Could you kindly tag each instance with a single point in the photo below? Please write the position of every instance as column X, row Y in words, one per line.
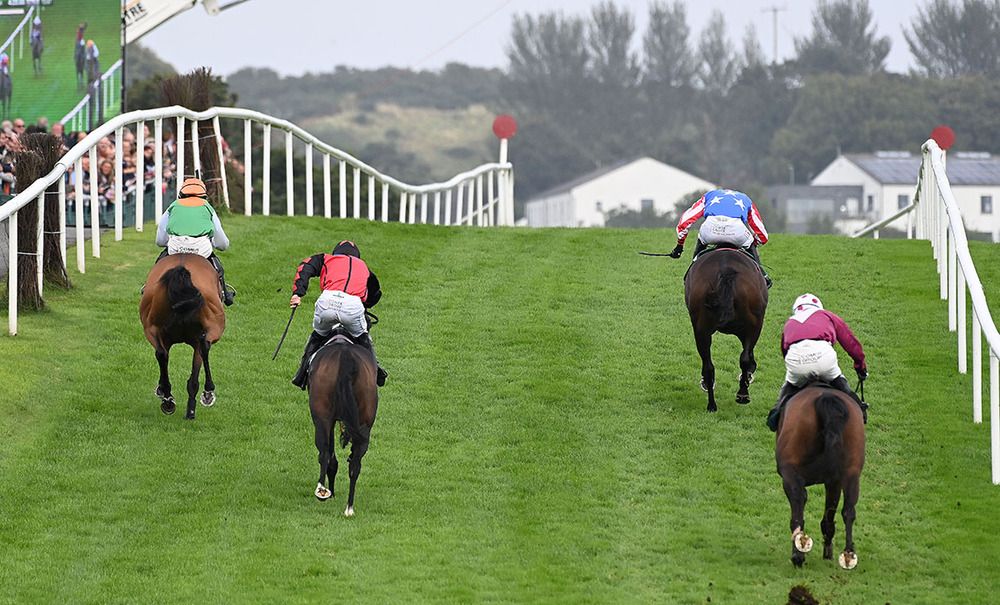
column 542, row 437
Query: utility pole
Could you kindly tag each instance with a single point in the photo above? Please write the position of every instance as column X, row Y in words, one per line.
column 774, row 10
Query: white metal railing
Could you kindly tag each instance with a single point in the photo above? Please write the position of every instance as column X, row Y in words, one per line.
column 481, row 196
column 937, row 217
column 19, row 34
column 106, row 90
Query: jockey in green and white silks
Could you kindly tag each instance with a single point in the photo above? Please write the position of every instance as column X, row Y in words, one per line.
column 191, row 226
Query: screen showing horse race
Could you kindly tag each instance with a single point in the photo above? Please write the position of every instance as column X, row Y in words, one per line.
column 61, row 60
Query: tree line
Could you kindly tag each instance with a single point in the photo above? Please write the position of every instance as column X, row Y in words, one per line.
column 717, row 108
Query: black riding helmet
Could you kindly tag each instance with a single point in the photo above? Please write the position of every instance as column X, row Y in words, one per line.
column 348, row 248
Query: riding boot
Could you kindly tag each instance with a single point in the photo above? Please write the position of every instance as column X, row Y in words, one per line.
column 163, row 255
column 787, row 390
column 316, row 340
column 699, row 247
column 228, row 294
column 756, row 257
column 365, row 340
column 841, row 384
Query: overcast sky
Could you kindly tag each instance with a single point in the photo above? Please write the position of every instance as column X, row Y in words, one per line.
column 298, row 36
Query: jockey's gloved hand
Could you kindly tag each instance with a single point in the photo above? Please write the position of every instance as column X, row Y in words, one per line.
column 862, row 374
column 677, row 251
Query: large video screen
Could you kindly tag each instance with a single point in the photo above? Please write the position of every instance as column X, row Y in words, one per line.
column 61, row 60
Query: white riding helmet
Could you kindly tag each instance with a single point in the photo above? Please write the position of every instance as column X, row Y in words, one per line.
column 38, row 20
column 805, row 301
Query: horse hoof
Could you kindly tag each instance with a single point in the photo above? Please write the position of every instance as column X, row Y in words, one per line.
column 802, row 542
column 167, row 406
column 742, row 399
column 322, row 493
column 712, row 409
column 189, row 416
column 798, row 559
column 848, row 559
column 349, row 511
column 208, row 399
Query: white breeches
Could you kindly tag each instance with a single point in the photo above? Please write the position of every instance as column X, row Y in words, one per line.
column 333, row 307
column 183, row 244
column 809, row 360
column 725, row 230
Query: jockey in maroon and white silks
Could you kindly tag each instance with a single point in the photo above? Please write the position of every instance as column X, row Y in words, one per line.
column 807, row 345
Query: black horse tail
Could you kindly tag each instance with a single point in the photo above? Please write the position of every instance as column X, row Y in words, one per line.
column 345, row 405
column 832, row 418
column 721, row 300
column 184, row 298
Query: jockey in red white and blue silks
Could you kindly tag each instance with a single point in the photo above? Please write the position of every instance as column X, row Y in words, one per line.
column 807, row 344
column 731, row 218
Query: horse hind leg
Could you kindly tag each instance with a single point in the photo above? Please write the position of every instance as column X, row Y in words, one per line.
column 208, row 395
column 704, row 343
column 852, row 489
column 796, row 493
column 829, row 524
column 324, row 448
column 748, row 365
column 167, row 403
column 358, row 449
column 193, row 383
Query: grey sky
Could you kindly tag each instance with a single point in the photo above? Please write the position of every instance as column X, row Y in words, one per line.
column 296, row 36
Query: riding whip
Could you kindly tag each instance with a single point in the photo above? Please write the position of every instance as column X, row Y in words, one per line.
column 655, row 253
column 285, row 333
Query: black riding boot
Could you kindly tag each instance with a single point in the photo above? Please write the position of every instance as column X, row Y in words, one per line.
column 699, row 247
column 163, row 255
column 314, row 343
column 787, row 390
column 841, row 384
column 365, row 340
column 756, row 257
column 228, row 294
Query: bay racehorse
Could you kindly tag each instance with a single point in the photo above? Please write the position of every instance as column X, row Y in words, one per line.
column 821, row 439
column 342, row 387
column 725, row 292
column 181, row 304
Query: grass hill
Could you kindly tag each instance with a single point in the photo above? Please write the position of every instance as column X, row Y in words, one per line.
column 542, row 437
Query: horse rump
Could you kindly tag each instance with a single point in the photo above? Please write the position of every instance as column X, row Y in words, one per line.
column 345, row 404
column 720, row 300
column 831, row 416
column 182, row 294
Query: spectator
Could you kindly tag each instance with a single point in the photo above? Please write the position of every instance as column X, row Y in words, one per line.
column 106, row 182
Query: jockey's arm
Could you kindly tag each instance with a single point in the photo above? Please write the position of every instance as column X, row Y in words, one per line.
column 308, row 269
column 849, row 341
column 756, row 224
column 161, row 230
column 692, row 214
column 374, row 291
column 219, row 239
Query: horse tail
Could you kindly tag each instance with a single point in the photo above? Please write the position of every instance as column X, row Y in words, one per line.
column 721, row 300
column 183, row 296
column 345, row 405
column 831, row 415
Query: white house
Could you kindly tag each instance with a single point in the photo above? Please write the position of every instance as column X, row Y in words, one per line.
column 888, row 180
column 634, row 184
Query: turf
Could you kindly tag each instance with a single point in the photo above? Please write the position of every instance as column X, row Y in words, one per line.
column 542, row 437
column 54, row 92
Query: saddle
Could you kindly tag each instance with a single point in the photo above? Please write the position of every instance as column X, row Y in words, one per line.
column 338, row 336
column 713, row 247
column 855, row 397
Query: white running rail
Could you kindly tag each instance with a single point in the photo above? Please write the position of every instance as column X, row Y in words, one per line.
column 482, row 196
column 937, row 218
column 110, row 96
column 19, row 34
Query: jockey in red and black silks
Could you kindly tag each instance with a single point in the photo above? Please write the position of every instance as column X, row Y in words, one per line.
column 348, row 288
column 731, row 218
